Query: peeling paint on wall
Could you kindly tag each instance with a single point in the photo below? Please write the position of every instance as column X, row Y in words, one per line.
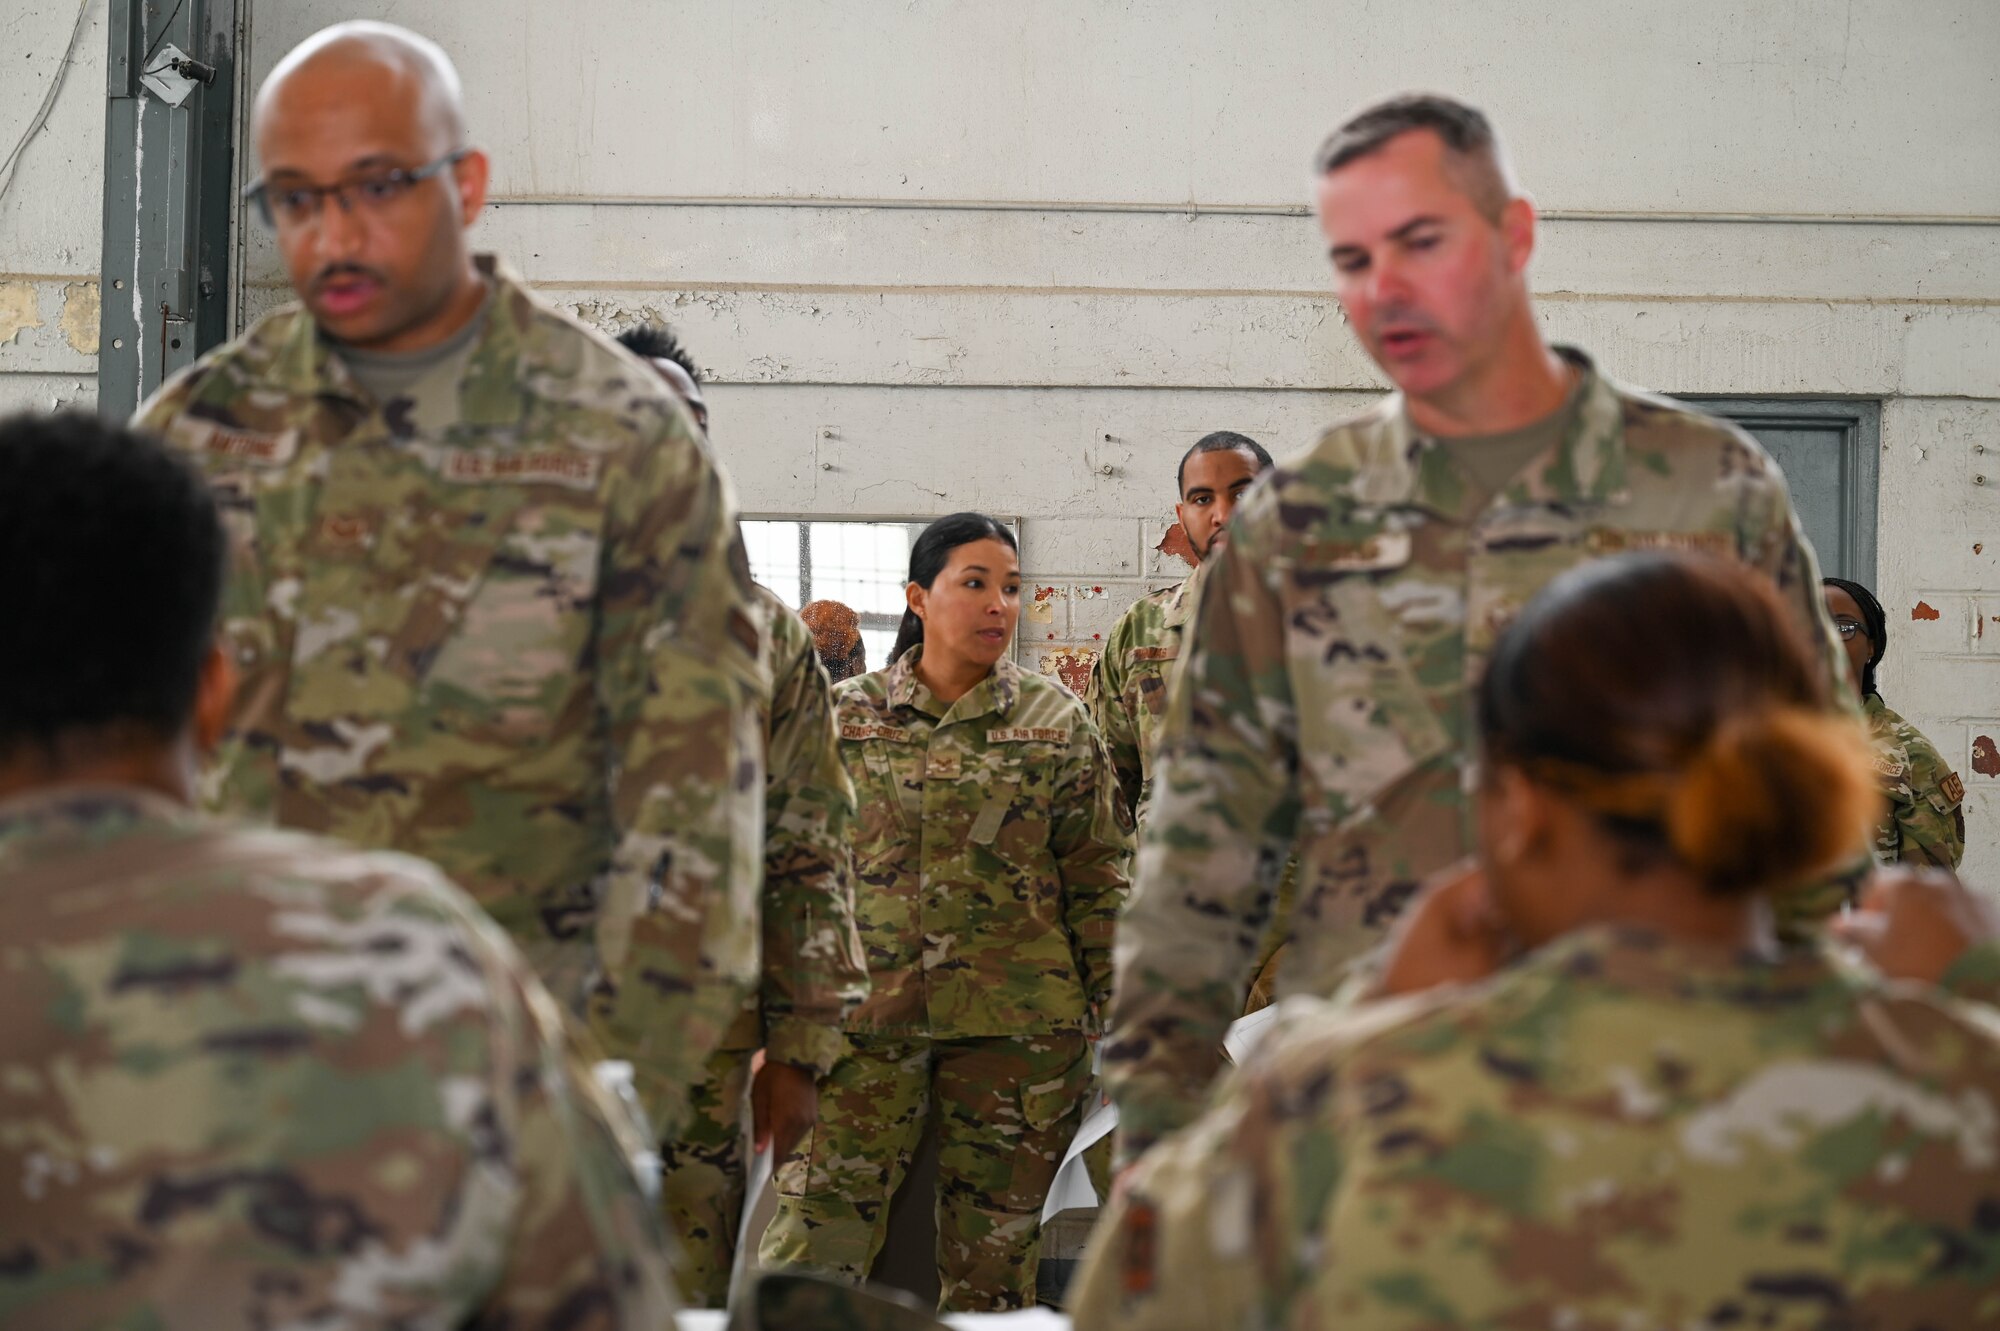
column 1176, row 542
column 19, row 311
column 1985, row 756
column 1071, row 665
column 1923, row 610
column 80, row 317
column 1042, row 608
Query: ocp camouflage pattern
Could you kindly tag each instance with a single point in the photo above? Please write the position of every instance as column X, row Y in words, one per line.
column 814, row 973
column 813, row 970
column 1128, row 686
column 503, row 623
column 1004, row 1109
column 1925, row 820
column 991, row 853
column 253, row 1079
column 1618, row 1132
column 704, row 1179
column 1128, row 700
column 1328, row 693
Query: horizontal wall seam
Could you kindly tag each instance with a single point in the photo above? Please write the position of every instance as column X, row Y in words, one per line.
column 1204, row 209
column 1179, row 293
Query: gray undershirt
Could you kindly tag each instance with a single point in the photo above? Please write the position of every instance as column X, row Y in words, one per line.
column 1489, row 461
column 388, row 375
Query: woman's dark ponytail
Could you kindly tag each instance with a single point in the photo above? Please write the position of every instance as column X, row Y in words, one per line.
column 908, row 634
column 928, row 555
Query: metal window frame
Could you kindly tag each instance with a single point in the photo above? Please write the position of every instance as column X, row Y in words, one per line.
column 169, row 199
column 869, row 619
column 1860, row 420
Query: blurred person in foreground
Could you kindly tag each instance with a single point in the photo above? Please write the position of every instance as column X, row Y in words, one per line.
column 1322, row 704
column 813, row 975
column 490, row 602
column 1597, row 1093
column 252, row 1078
column 1925, row 820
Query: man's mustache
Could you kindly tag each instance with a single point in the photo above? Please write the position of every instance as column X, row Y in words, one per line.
column 335, row 271
column 1402, row 318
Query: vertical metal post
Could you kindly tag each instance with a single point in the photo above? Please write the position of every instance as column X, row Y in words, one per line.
column 169, row 185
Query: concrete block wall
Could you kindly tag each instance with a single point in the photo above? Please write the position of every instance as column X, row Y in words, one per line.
column 1016, row 257
column 51, row 211
column 1082, row 574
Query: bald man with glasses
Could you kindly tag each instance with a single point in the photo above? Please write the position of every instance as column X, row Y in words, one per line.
column 489, row 602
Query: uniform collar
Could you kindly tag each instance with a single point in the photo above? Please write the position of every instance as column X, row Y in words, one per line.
column 1644, row 961
column 996, row 693
column 504, row 358
column 1180, row 605
column 1587, row 466
column 85, row 812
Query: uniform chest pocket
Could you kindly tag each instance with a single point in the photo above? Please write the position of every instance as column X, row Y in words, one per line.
column 1364, row 718
column 1016, row 818
column 884, row 827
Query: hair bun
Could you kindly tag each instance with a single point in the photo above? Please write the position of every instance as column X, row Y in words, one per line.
column 1772, row 798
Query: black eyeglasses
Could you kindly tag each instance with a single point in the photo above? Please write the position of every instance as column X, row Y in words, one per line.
column 378, row 191
column 1847, row 628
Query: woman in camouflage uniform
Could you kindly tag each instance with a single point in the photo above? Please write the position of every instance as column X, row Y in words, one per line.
column 990, row 856
column 1925, row 821
column 1593, row 1093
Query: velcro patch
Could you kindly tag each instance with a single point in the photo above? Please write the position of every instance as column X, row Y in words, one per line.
column 1611, row 541
column 894, row 734
column 1167, row 653
column 1139, row 1268
column 345, row 531
column 1952, row 788
column 944, row 766
column 248, row 445
column 1025, row 734
column 472, row 466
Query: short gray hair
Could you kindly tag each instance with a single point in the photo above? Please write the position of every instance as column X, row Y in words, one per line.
column 1466, row 133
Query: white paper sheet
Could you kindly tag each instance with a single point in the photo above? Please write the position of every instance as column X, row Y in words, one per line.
column 1071, row 1189
column 1028, row 1319
column 762, row 1164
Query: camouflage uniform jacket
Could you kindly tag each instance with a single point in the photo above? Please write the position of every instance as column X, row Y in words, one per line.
column 1618, row 1132
column 255, row 1079
column 991, row 854
column 1128, row 699
column 1128, row 686
column 505, row 624
column 1326, row 701
column 1925, row 822
column 814, row 972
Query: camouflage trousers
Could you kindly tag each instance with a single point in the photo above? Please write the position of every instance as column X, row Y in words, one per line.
column 703, row 1176
column 1006, row 1106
